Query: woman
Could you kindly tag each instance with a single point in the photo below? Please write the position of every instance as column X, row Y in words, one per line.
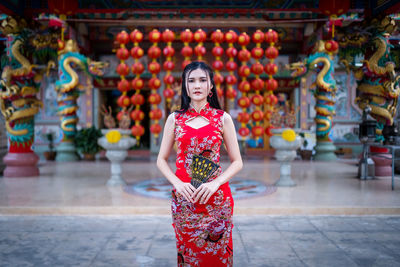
column 202, row 216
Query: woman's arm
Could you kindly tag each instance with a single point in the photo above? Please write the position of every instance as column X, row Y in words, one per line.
column 185, row 189
column 206, row 190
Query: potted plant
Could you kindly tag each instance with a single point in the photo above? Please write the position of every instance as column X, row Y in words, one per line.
column 86, row 142
column 51, row 153
column 305, row 153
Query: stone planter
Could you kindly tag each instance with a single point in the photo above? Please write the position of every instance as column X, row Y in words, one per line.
column 116, row 153
column 285, row 153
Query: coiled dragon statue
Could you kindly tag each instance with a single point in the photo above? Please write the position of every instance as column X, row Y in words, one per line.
column 68, row 86
column 378, row 84
column 18, row 102
column 324, row 87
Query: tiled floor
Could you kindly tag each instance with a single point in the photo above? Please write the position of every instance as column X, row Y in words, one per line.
column 79, row 188
column 149, row 241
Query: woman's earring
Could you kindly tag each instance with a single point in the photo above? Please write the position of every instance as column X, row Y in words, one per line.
column 210, row 94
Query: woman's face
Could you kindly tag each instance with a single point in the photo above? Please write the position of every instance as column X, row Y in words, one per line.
column 198, row 85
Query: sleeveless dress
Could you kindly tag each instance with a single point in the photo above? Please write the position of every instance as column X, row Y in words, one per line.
column 203, row 231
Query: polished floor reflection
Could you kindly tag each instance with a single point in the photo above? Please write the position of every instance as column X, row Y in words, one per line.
column 79, row 188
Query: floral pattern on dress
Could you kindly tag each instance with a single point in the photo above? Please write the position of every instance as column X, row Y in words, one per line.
column 203, row 231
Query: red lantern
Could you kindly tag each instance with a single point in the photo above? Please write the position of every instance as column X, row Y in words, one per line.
column 271, row 52
column 258, row 37
column 154, row 99
column 243, row 39
column 271, row 36
column 257, row 131
column 154, row 36
column 137, row 99
column 231, row 79
column 271, row 84
column 137, row 84
column 123, row 69
column 244, row 102
column 268, row 130
column 231, row 52
column 257, row 115
column 268, row 115
column 186, row 62
column 187, row 51
column 271, row 100
column 231, row 65
column 124, row 85
column 122, row 37
column 218, row 78
column 271, row 68
column 244, row 71
column 155, row 114
column 154, row 67
column 168, row 51
column 123, row 101
column 154, row 52
column 331, row 46
column 244, row 131
column 137, row 130
column 200, row 50
column 168, row 36
column 257, row 68
column 217, row 65
column 122, row 53
column 257, row 52
column 137, row 52
column 217, row 51
column 244, row 55
column 154, row 83
column 231, row 37
column 257, row 84
column 136, row 36
column 155, row 129
column 168, row 65
column 217, row 37
column 243, row 117
column 169, row 79
column 137, row 115
column 137, row 68
column 200, row 36
column 257, row 100
column 168, row 93
column 186, row 36
column 244, row 86
column 231, row 93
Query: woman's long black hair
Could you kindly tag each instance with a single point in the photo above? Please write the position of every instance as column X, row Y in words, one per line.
column 185, row 99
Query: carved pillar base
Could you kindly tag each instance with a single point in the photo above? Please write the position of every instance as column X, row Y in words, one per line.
column 325, row 151
column 21, row 165
column 66, row 151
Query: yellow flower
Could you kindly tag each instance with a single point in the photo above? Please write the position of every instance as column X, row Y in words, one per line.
column 289, row 135
column 113, row 136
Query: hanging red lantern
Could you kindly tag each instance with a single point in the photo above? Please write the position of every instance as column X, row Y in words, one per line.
column 257, row 100
column 137, row 68
column 136, row 36
column 155, row 129
column 154, row 67
column 137, row 52
column 244, row 71
column 137, row 115
column 257, row 131
column 137, row 84
column 155, row 114
column 231, row 79
column 271, row 52
column 218, row 78
column 168, row 51
column 154, row 36
column 122, row 53
column 257, row 84
column 244, row 102
column 123, row 101
column 231, row 65
column 124, row 85
column 271, row 84
column 154, row 52
column 123, row 69
column 217, row 37
column 187, row 51
column 271, row 68
column 168, row 93
column 331, row 46
column 271, row 100
column 217, row 51
column 257, row 115
column 268, row 115
column 244, row 131
column 257, row 52
column 154, row 99
column 244, row 55
column 258, row 37
column 244, row 86
column 169, row 65
column 186, row 36
column 168, row 36
column 137, row 130
column 243, row 39
column 268, row 130
column 199, row 36
column 271, row 36
column 231, row 52
column 154, row 83
column 257, row 68
column 169, row 79
column 137, row 99
column 185, row 62
column 218, row 65
column 122, row 37
column 243, row 117
column 231, row 93
column 200, row 51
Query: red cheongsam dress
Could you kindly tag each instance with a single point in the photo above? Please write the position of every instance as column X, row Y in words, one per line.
column 203, row 231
